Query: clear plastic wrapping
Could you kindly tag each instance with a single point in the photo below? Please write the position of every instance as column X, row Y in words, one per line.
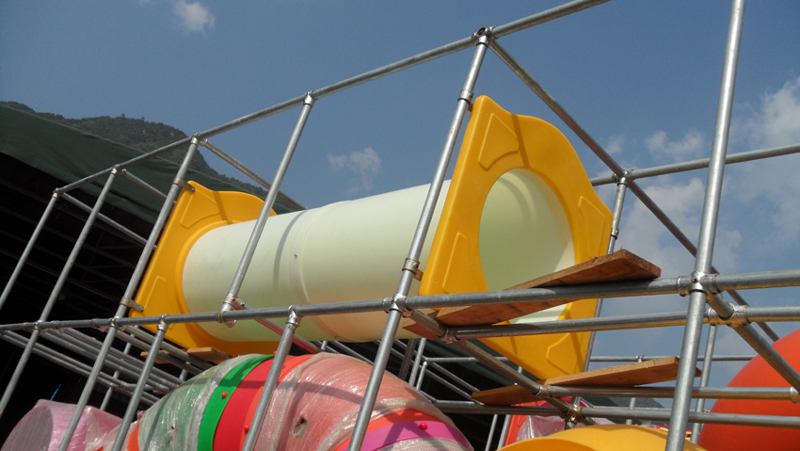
column 43, row 427
column 173, row 423
column 316, row 405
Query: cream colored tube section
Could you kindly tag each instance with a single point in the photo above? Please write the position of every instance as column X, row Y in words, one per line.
column 355, row 250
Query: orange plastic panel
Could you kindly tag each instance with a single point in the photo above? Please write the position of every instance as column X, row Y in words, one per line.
column 757, row 373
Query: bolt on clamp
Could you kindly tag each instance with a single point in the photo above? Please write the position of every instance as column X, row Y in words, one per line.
column 413, row 266
column 449, row 336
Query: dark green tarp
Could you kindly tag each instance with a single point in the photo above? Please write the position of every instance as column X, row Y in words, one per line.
column 70, row 155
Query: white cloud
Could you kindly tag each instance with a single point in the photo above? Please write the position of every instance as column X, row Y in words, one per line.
column 193, row 16
column 778, row 121
column 691, row 146
column 770, row 189
column 615, row 144
column 364, row 165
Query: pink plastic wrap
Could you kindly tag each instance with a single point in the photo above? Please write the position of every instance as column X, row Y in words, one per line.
column 42, row 428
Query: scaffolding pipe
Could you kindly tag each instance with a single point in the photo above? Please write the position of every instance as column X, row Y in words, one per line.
column 172, row 350
column 694, row 417
column 127, row 297
column 27, row 252
column 127, row 367
column 247, row 171
column 109, row 390
column 700, row 358
column 598, row 150
column 636, row 174
column 616, row 216
column 706, row 374
column 482, row 38
column 162, row 355
column 420, row 355
column 705, row 243
column 144, row 185
column 114, row 224
column 133, row 405
column 90, row 344
column 762, row 393
column 272, row 381
column 448, row 49
column 231, row 301
column 26, row 354
column 70, row 364
column 661, row 286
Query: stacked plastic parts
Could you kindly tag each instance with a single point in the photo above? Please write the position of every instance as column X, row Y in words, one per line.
column 43, row 427
column 314, row 407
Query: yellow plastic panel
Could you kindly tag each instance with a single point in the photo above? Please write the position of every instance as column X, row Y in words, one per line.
column 497, row 142
column 600, row 438
column 195, row 213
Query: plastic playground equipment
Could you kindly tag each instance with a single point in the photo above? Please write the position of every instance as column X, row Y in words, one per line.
column 229, row 276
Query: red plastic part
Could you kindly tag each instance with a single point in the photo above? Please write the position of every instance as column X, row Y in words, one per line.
column 238, row 414
column 757, row 373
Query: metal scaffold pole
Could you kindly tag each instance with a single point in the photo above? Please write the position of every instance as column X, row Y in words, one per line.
column 231, row 301
column 411, row 265
column 62, row 279
column 127, row 297
column 705, row 243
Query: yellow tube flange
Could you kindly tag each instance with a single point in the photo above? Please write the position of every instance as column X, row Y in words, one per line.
column 161, row 292
column 495, row 143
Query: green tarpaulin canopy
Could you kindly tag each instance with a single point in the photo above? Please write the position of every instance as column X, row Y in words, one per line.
column 70, row 155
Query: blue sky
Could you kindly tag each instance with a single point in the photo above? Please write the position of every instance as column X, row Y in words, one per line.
column 641, row 76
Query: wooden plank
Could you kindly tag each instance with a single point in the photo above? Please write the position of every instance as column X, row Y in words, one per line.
column 640, row 373
column 208, row 354
column 504, row 396
column 616, row 267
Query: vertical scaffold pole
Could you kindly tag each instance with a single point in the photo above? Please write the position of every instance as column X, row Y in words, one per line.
column 62, row 279
column 619, row 202
column 110, row 390
column 707, row 359
column 230, row 302
column 483, row 36
column 130, row 412
column 272, row 379
column 705, row 243
column 166, row 208
column 28, row 248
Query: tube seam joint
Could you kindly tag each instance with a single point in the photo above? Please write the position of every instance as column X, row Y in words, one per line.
column 309, row 99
